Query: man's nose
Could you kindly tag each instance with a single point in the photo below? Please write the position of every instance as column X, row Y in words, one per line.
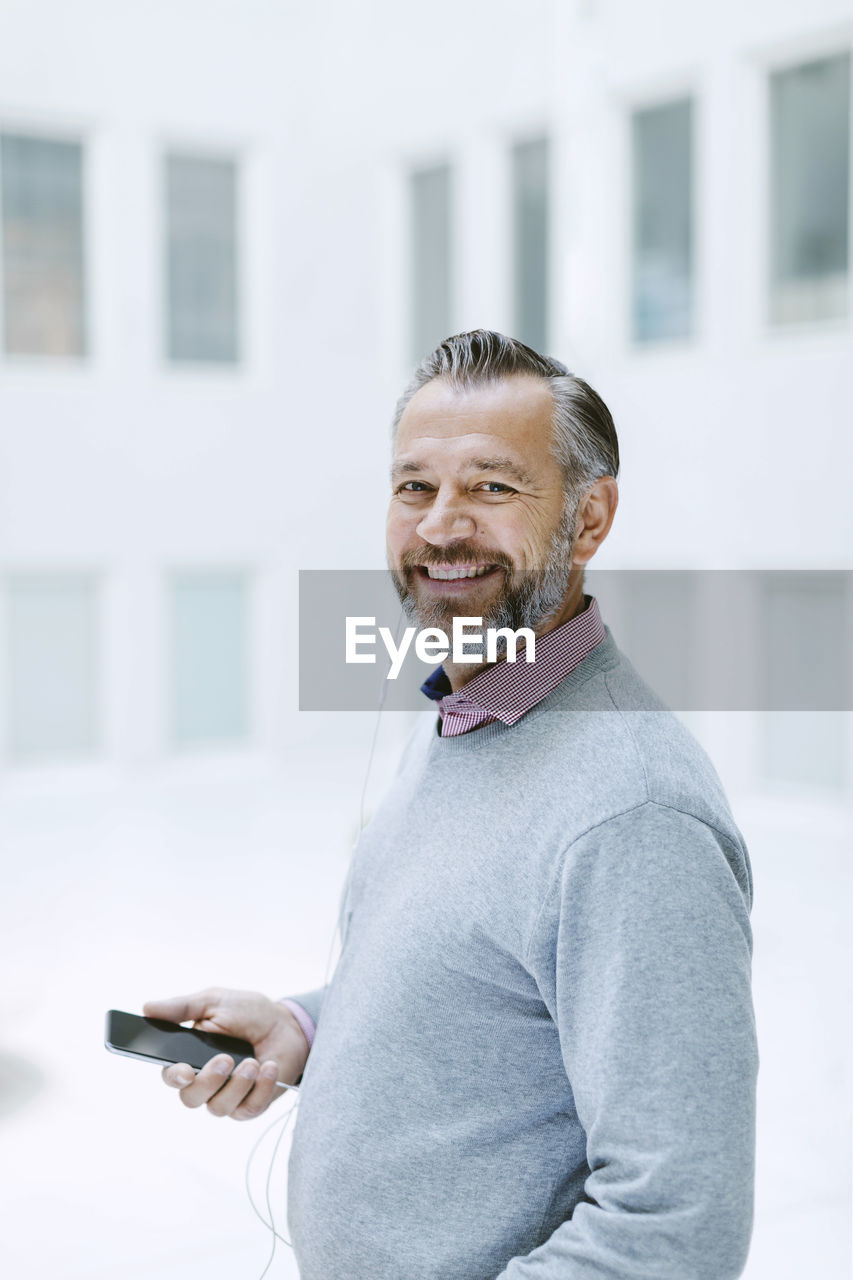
column 447, row 521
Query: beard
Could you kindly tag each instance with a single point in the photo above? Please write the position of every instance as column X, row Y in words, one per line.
column 527, row 598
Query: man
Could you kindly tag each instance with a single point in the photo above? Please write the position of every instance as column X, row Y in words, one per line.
column 537, row 1055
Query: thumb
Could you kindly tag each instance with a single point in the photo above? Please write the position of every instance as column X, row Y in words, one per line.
column 179, row 1008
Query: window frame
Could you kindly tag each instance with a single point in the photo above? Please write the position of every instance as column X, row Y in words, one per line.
column 70, row 130
column 677, row 88
column 786, row 56
column 448, row 165
column 519, row 140
column 173, row 747
column 94, row 577
column 236, row 153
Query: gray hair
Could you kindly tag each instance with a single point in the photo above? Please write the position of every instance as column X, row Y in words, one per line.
column 585, row 442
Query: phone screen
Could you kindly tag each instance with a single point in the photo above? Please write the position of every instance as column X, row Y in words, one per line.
column 160, row 1041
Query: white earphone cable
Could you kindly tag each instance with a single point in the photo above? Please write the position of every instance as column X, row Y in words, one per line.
column 270, row 1224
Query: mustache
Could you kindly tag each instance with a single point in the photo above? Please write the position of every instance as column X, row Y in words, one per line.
column 459, row 553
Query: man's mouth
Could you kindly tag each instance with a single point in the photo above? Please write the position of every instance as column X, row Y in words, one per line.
column 448, row 572
column 452, row 572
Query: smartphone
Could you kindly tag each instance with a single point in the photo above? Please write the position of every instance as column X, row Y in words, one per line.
column 154, row 1040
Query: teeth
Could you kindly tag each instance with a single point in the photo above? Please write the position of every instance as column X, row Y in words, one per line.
column 460, row 571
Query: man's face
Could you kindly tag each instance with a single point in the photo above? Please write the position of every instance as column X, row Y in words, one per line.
column 477, row 524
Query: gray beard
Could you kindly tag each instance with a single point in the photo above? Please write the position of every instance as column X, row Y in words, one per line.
column 527, row 600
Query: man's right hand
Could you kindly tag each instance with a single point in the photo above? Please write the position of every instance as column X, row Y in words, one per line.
column 280, row 1047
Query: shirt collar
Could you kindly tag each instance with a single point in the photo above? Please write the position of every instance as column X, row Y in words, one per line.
column 436, row 685
column 507, row 690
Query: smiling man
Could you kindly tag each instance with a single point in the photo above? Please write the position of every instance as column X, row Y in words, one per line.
column 537, row 1057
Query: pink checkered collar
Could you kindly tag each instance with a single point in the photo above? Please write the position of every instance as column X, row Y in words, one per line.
column 508, row 690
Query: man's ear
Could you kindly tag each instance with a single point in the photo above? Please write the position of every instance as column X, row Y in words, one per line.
column 595, row 516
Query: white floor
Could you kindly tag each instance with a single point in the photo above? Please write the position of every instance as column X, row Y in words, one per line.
column 112, row 895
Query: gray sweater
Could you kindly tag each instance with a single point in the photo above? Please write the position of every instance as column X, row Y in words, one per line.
column 537, row 1055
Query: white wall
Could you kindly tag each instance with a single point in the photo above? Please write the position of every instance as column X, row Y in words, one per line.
column 122, row 463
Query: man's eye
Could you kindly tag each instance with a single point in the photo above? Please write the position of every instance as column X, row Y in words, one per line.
column 413, row 486
column 494, row 486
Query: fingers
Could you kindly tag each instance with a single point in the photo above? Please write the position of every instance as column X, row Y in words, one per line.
column 179, row 1008
column 242, row 1093
column 178, row 1076
column 204, row 1084
column 264, row 1092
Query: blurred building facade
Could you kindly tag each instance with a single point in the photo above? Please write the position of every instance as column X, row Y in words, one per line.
column 229, row 232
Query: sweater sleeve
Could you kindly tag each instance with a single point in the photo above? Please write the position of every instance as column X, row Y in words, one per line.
column 642, row 954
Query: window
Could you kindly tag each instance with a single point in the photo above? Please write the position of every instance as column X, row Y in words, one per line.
column 41, row 194
column 659, row 622
column 809, row 190
column 803, row 747
column 530, row 242
column 201, row 260
column 431, row 262
column 51, row 665
column 209, row 657
column 662, row 231
column 806, row 652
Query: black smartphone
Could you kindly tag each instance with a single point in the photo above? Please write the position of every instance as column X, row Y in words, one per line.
column 154, row 1040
